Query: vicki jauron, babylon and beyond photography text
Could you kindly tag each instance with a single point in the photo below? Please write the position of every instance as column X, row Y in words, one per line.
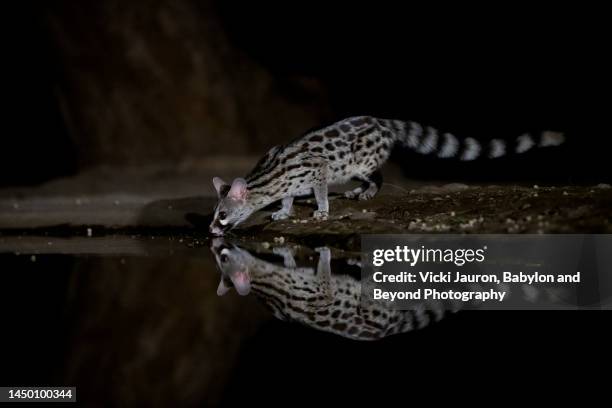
column 458, row 277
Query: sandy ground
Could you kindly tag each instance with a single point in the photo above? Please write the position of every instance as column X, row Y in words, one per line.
column 153, row 199
column 453, row 208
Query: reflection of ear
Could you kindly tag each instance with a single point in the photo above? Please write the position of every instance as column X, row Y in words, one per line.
column 221, row 186
column 238, row 191
column 222, row 289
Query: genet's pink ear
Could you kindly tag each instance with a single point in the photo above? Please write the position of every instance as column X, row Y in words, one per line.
column 242, row 282
column 238, row 191
column 222, row 289
column 220, row 186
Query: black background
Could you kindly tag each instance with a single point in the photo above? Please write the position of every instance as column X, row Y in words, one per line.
column 479, row 71
column 483, row 72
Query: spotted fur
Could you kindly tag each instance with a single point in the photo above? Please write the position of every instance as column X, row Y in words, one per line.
column 317, row 299
column 333, row 302
column 352, row 149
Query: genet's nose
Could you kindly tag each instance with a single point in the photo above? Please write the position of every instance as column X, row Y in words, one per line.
column 215, row 230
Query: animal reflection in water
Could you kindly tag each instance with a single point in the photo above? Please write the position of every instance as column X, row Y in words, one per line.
column 318, row 299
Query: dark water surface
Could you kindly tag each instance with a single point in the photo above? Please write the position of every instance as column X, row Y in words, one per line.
column 151, row 320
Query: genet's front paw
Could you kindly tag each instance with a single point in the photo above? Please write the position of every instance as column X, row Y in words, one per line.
column 320, row 215
column 280, row 215
column 350, row 194
column 366, row 195
column 323, row 250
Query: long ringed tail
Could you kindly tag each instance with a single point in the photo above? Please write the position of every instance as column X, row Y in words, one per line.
column 428, row 140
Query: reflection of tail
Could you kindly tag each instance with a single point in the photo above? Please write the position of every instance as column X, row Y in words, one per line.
column 445, row 145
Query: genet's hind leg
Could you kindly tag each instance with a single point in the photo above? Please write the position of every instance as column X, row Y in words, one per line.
column 375, row 183
column 319, row 189
column 369, row 188
column 324, row 274
column 320, row 193
column 354, row 193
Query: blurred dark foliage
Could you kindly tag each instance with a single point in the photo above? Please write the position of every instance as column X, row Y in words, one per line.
column 35, row 145
column 268, row 71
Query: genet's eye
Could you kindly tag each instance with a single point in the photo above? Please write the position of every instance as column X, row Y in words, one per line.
column 224, row 258
column 222, row 215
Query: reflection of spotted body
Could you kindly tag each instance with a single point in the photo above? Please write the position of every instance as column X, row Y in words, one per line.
column 352, row 149
column 319, row 300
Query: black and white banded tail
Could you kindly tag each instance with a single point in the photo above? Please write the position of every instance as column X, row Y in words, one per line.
column 428, row 140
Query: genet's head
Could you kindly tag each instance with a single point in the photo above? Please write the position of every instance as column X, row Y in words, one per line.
column 234, row 264
column 232, row 206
